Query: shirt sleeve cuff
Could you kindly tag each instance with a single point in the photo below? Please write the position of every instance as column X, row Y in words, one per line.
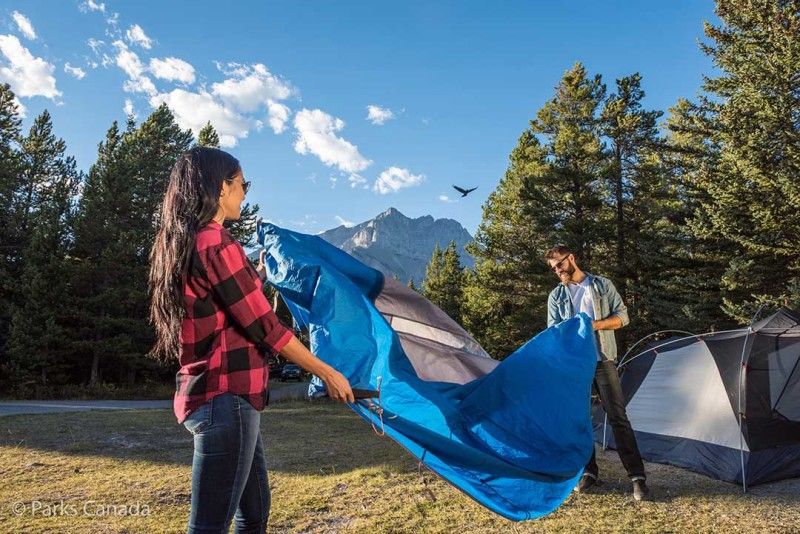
column 283, row 340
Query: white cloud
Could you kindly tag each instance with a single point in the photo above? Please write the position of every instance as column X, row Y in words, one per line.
column 90, row 5
column 130, row 63
column 128, row 109
column 27, row 75
column 142, row 84
column 24, row 25
column 394, row 178
column 357, row 180
column 172, row 69
column 98, row 47
column 194, row 110
column 316, row 134
column 78, row 72
column 378, row 115
column 136, row 35
column 250, row 87
column 445, row 198
column 95, row 45
column 333, row 180
column 344, row 222
column 278, row 115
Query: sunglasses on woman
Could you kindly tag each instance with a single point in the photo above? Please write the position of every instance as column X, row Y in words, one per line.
column 245, row 184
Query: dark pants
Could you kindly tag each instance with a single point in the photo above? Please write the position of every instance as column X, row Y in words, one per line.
column 229, row 469
column 607, row 385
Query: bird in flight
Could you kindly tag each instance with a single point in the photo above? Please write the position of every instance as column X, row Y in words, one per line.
column 464, row 192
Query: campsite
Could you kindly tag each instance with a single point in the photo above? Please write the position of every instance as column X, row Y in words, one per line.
column 400, row 267
column 335, row 475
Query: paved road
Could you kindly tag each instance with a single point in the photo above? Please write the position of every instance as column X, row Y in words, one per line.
column 52, row 406
column 55, row 406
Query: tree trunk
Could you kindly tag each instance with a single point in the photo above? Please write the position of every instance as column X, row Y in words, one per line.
column 94, row 378
column 619, row 193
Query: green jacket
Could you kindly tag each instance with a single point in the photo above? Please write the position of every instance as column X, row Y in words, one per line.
column 607, row 303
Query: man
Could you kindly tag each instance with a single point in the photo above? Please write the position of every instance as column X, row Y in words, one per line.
column 598, row 298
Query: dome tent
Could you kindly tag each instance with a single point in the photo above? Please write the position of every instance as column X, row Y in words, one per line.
column 513, row 435
column 725, row 404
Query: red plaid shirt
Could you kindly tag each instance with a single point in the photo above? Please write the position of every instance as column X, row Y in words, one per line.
column 229, row 326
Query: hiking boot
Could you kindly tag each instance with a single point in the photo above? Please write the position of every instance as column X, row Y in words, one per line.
column 640, row 490
column 587, row 481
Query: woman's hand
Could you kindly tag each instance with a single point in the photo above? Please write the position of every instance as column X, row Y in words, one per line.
column 261, row 268
column 338, row 387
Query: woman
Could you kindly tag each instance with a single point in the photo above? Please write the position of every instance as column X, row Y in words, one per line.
column 209, row 311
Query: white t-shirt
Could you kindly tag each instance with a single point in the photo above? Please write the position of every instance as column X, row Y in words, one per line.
column 582, row 301
column 582, row 297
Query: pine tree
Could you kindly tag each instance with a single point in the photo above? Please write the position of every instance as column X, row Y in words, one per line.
column 632, row 133
column 114, row 233
column 244, row 228
column 432, row 274
column 638, row 195
column 36, row 340
column 570, row 187
column 150, row 151
column 687, row 291
column 103, row 263
column 10, row 249
column 208, row 136
column 443, row 281
column 551, row 193
column 752, row 192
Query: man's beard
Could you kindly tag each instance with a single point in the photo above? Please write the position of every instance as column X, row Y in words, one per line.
column 566, row 275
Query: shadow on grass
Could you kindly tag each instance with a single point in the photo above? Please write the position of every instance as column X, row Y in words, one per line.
column 319, row 438
column 669, row 483
column 301, row 437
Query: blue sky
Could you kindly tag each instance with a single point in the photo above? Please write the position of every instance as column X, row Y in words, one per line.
column 289, row 86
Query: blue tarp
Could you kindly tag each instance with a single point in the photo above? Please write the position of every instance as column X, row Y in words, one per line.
column 515, row 440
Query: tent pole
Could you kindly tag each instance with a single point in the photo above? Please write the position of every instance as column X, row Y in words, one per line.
column 605, row 424
column 740, row 388
column 622, row 360
column 698, row 336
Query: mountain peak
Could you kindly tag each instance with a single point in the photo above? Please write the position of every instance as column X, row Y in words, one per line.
column 398, row 245
column 391, row 212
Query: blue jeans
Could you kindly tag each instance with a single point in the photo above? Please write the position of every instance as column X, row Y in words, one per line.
column 229, row 469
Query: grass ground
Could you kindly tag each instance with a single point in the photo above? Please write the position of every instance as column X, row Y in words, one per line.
column 328, row 473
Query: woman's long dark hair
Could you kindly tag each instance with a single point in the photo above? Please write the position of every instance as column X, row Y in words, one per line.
column 190, row 202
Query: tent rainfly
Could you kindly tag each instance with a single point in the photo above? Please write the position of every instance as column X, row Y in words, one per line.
column 725, row 404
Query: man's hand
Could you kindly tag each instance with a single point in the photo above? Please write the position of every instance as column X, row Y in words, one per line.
column 612, row 323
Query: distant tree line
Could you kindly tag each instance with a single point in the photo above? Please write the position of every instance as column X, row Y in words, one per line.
column 74, row 251
column 695, row 214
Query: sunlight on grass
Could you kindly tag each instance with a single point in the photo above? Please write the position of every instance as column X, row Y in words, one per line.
column 328, row 473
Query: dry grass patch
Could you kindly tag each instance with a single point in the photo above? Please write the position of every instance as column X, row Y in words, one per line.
column 328, row 473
